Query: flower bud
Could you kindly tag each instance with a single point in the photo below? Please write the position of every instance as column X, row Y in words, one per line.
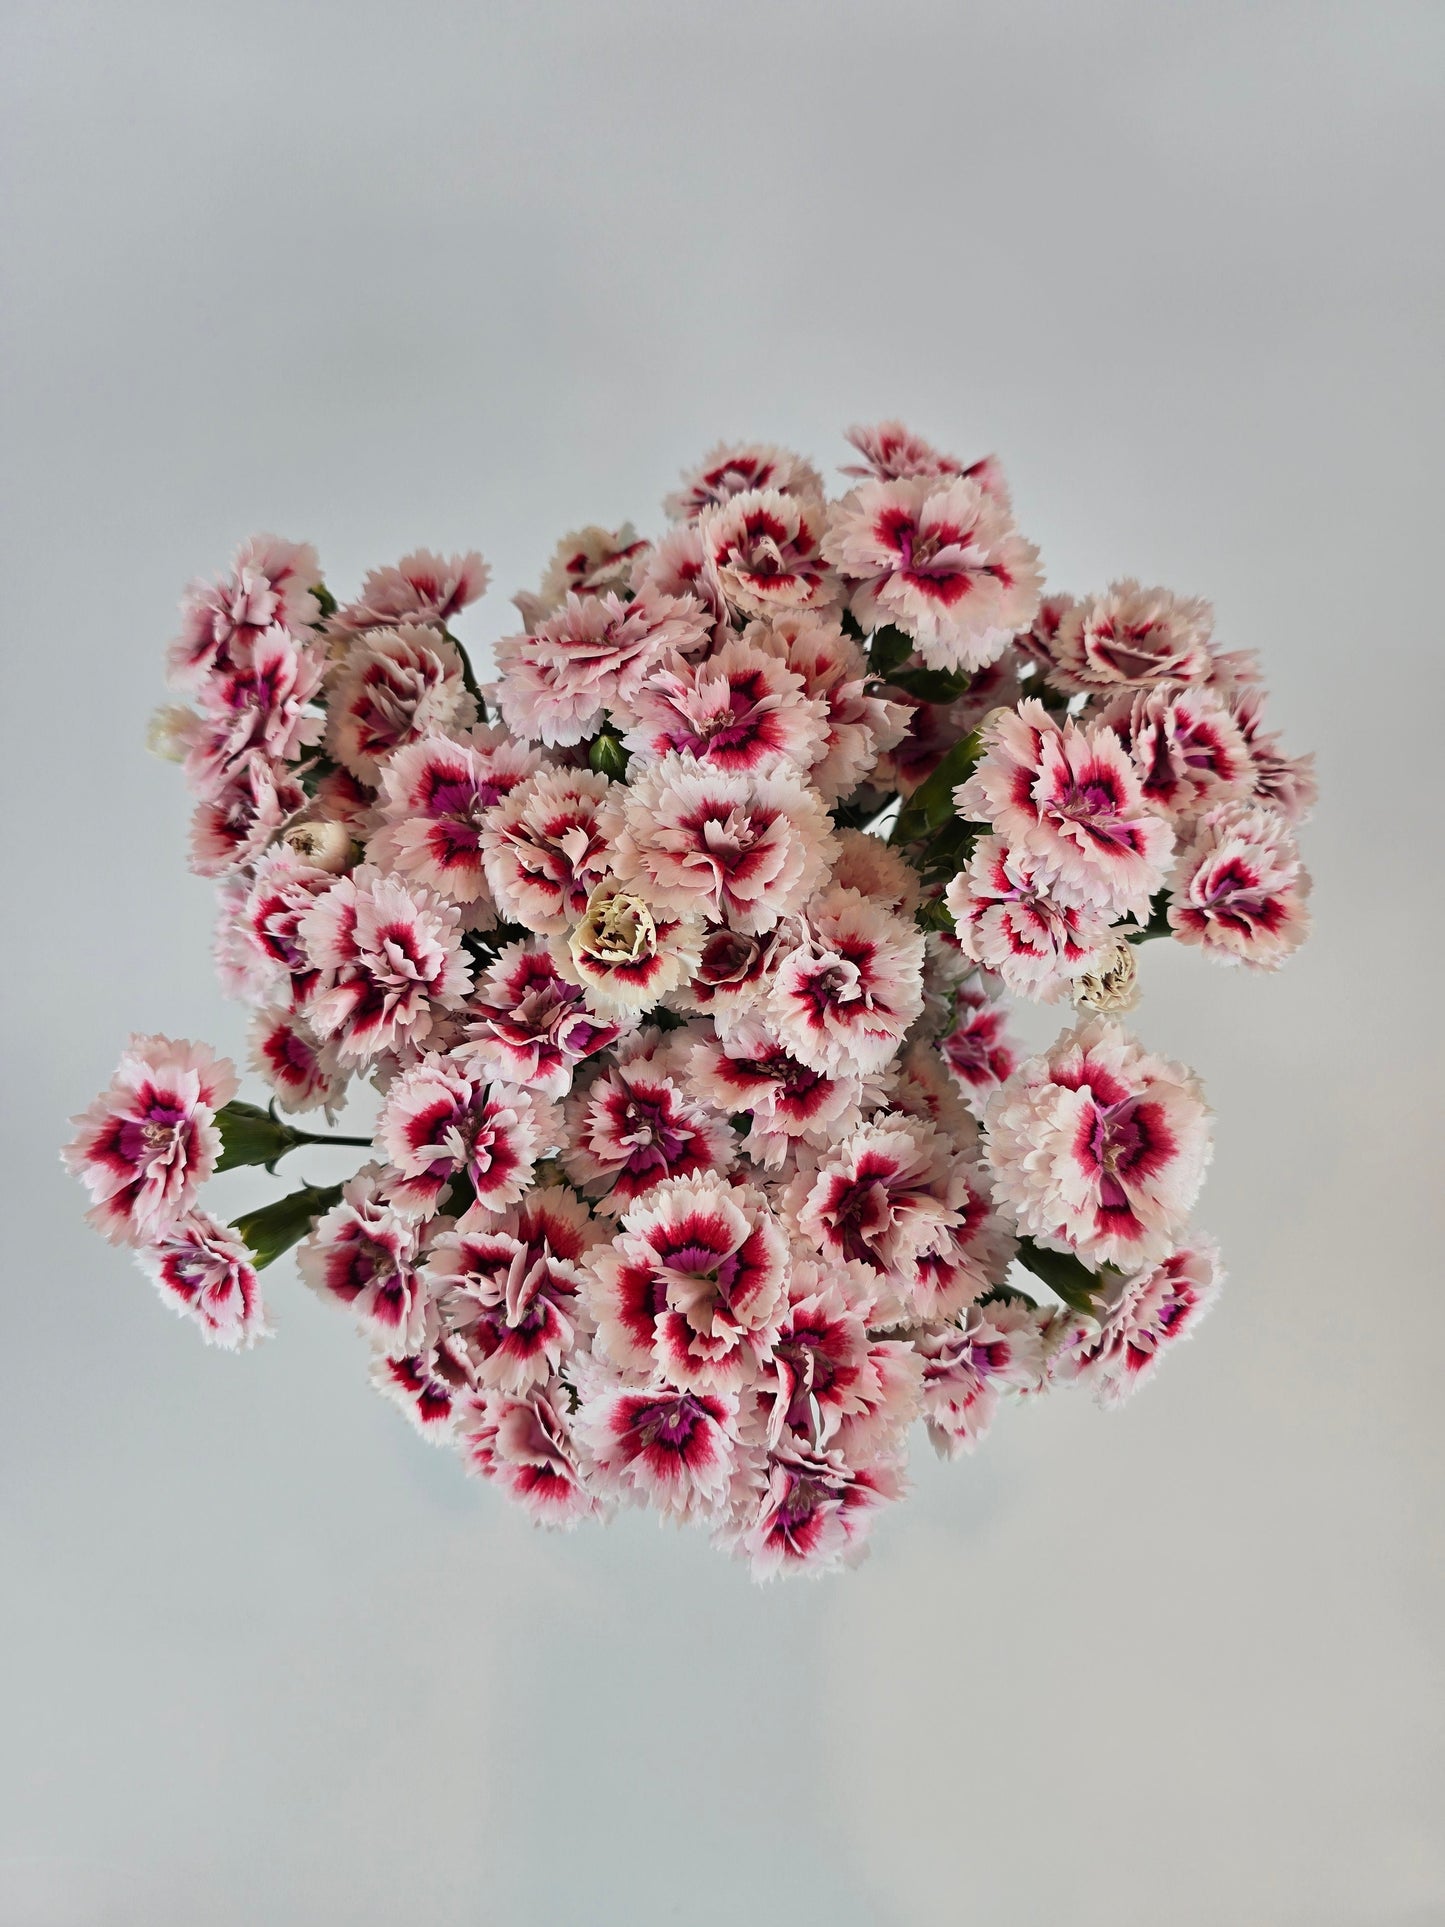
column 321, row 843
column 170, row 732
column 1112, row 987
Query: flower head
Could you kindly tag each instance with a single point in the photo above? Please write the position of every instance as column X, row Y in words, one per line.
column 422, row 589
column 526, row 1445
column 388, row 959
column 741, row 468
column 858, row 723
column 699, row 842
column 529, row 1025
column 436, row 796
column 733, row 971
column 996, row 1346
column 1281, row 782
column 586, row 562
column 692, row 1285
column 242, row 816
column 1009, row 919
column 625, row 956
column 512, row 1304
column 262, row 702
column 597, row 653
column 544, row 849
column 633, row 1126
column 876, row 871
column 845, row 995
column 1128, row 637
column 1187, row 747
column 893, row 453
column 742, row 709
column 828, row 1380
column 941, row 559
column 150, row 1139
column 204, row 1271
column 883, row 1197
column 1239, row 888
column 763, row 548
column 394, row 686
column 425, row 1385
column 656, row 1445
column 1139, row 1317
column 364, row 1254
column 283, row 888
column 748, row 1070
column 1072, row 800
column 271, row 582
column 303, row 1073
column 1110, row 985
column 1098, row 1146
column 440, row 1123
column 811, row 1510
column 978, row 1050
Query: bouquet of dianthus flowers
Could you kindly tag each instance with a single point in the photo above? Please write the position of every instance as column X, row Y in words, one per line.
column 678, row 955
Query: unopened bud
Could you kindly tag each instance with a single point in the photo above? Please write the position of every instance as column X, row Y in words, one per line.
column 323, row 844
column 171, row 731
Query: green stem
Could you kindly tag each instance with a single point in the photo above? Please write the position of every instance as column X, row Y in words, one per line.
column 321, row 1137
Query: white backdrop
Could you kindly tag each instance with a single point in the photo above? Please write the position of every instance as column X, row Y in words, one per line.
column 382, row 275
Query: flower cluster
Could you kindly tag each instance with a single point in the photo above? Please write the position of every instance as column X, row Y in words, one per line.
column 678, row 957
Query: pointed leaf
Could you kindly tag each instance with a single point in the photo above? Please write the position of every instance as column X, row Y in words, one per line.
column 1065, row 1275
column 250, row 1135
column 930, row 685
column 931, row 804
column 889, row 650
column 274, row 1228
column 607, row 756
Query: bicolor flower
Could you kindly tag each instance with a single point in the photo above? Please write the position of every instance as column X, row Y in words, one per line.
column 1099, row 1147
column 633, row 1126
column 1071, row 798
column 389, row 961
column 441, row 1123
column 149, row 1141
column 1239, row 888
column 394, row 687
column 940, row 558
column 204, row 1271
column 744, row 850
column 692, row 1285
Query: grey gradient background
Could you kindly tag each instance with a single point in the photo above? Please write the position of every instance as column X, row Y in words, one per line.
column 381, row 275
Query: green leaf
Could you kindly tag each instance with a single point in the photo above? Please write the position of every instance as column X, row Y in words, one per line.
column 250, row 1135
column 460, row 1196
column 661, row 1018
column 1001, row 1294
column 946, row 851
column 931, row 804
column 930, row 685
column 1158, row 924
column 313, row 773
column 327, row 600
column 889, row 650
column 274, row 1228
column 934, row 914
column 1065, row 1275
column 469, row 675
column 607, row 756
column 849, row 624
